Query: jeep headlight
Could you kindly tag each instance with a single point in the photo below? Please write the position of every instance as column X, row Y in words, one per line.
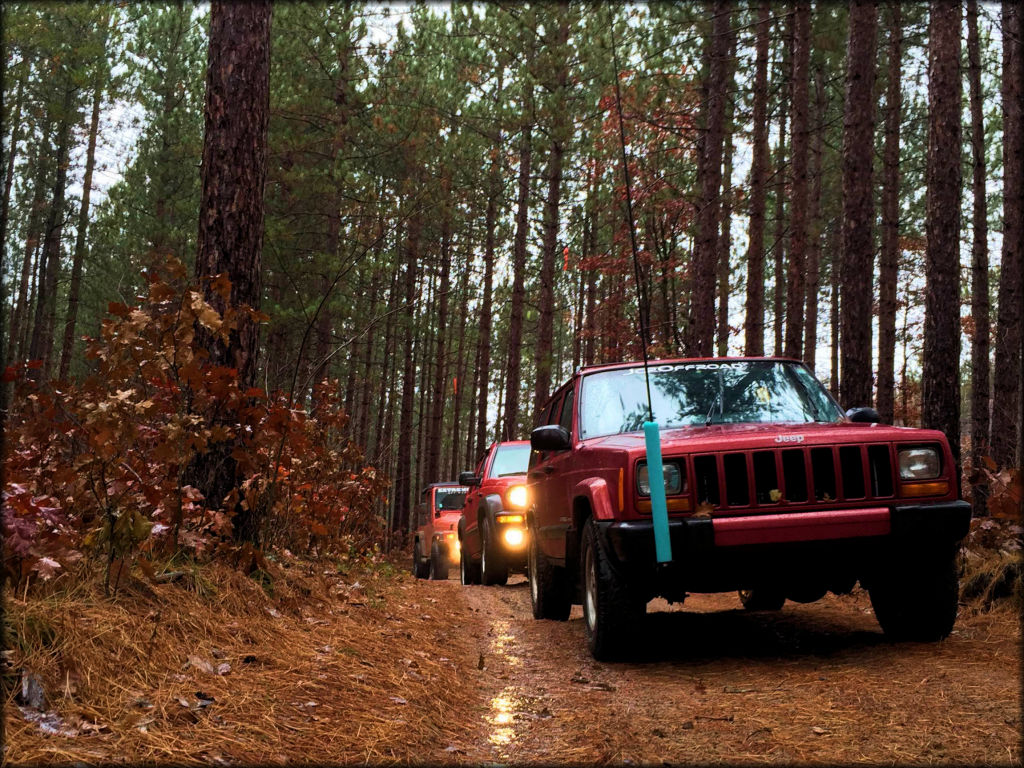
column 670, row 470
column 517, row 496
column 919, row 464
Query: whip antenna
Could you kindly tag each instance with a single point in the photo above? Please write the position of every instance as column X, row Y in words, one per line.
column 641, row 291
column 652, row 436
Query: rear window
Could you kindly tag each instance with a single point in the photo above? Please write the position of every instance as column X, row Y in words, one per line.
column 449, row 498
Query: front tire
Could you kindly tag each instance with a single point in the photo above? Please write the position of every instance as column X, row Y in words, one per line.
column 420, row 569
column 493, row 568
column 917, row 597
column 611, row 610
column 438, row 564
column 549, row 585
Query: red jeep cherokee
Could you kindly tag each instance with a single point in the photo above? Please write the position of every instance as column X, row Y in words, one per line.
column 492, row 529
column 434, row 543
column 771, row 490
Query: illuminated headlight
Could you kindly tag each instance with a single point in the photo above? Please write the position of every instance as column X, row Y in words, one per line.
column 513, row 536
column 517, row 496
column 672, row 473
column 919, row 464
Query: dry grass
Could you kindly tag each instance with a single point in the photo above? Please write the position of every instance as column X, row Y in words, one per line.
column 320, row 670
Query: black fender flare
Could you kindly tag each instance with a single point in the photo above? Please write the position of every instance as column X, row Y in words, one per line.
column 489, row 508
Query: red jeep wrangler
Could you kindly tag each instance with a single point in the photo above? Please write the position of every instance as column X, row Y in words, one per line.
column 492, row 529
column 771, row 490
column 434, row 542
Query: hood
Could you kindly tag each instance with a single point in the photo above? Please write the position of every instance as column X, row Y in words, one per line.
column 738, row 437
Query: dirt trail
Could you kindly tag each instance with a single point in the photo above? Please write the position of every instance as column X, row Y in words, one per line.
column 811, row 683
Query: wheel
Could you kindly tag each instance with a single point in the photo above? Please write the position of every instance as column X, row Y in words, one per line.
column 762, row 599
column 420, row 569
column 493, row 569
column 916, row 597
column 549, row 585
column 438, row 563
column 611, row 610
column 469, row 572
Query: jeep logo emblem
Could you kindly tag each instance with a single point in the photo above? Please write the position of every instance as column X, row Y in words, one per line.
column 789, row 438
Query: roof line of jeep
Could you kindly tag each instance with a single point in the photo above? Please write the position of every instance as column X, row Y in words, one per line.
column 669, row 360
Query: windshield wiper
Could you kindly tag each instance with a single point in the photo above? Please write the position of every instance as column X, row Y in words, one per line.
column 719, row 401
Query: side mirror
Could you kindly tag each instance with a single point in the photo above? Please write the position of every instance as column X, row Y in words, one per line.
column 865, row 415
column 468, row 478
column 550, row 437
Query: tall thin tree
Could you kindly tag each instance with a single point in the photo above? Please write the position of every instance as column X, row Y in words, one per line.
column 940, row 380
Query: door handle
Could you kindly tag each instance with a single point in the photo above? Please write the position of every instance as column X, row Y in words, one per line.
column 548, row 469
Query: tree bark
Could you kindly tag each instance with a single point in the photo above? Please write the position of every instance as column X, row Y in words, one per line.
column 559, row 130
column 814, row 217
column 234, row 171
column 435, row 432
column 23, row 305
column 78, row 259
column 888, row 259
column 795, row 277
column 403, row 470
column 701, row 326
column 724, row 265
column 940, row 380
column 858, row 207
column 41, row 345
column 980, row 366
column 486, row 312
column 515, row 326
column 781, row 171
column 1006, row 396
column 754, row 320
column 12, row 153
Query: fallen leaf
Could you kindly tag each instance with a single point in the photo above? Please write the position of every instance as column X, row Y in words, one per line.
column 398, row 700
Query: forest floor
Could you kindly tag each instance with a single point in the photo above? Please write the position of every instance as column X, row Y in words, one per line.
column 371, row 665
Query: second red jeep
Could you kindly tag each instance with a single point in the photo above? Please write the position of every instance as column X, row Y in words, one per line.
column 492, row 529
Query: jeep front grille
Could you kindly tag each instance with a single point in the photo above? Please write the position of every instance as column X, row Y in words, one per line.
column 786, row 476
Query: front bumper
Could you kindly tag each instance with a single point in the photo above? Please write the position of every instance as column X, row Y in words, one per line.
column 703, row 546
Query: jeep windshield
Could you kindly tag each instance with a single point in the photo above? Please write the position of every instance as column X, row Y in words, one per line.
column 510, row 460
column 698, row 394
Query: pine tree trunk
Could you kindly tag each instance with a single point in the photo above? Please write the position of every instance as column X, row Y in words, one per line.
column 980, row 379
column 510, row 431
column 486, row 311
column 724, row 266
column 9, row 177
column 858, row 208
column 940, row 380
column 795, row 277
column 888, row 259
column 403, row 471
column 23, row 305
column 701, row 326
column 754, row 320
column 781, row 188
column 461, row 386
column 439, row 388
column 234, row 172
column 83, row 224
column 835, row 268
column 41, row 345
column 815, row 219
column 1006, row 395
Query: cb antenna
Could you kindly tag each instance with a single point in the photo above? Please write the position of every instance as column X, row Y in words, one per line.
column 652, row 436
column 641, row 291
